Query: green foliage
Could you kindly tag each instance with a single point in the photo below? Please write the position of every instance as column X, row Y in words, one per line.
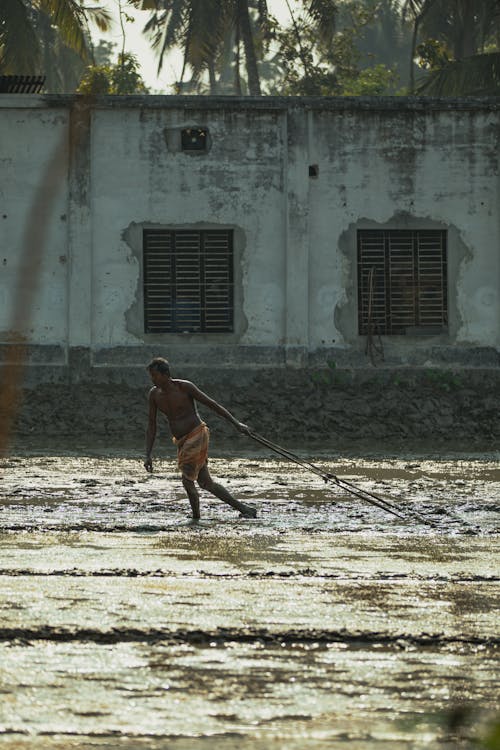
column 376, row 81
column 433, row 54
column 476, row 76
column 445, row 380
column 120, row 78
column 452, row 42
column 209, row 33
column 329, row 377
column 23, row 45
column 328, row 47
column 125, row 78
column 386, row 39
column 319, row 58
column 96, row 80
column 322, row 377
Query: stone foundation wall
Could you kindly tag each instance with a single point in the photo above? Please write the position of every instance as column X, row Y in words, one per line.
column 295, row 407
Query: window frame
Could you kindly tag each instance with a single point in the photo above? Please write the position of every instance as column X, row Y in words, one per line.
column 402, row 292
column 168, row 267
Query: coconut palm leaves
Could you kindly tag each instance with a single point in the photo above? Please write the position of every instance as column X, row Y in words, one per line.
column 203, row 29
column 20, row 45
column 461, row 31
column 17, row 38
column 323, row 14
column 478, row 75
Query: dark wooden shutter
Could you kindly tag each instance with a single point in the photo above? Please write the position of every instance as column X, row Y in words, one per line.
column 159, row 289
column 432, row 279
column 402, row 287
column 218, row 281
column 188, row 281
column 188, row 271
column 372, row 286
column 402, row 284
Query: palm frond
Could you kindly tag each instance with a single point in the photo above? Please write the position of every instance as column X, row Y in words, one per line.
column 411, row 8
column 153, row 23
column 174, row 27
column 478, row 75
column 101, row 17
column 323, row 14
column 208, row 26
column 19, row 46
column 416, row 9
column 70, row 19
column 262, row 10
column 145, row 4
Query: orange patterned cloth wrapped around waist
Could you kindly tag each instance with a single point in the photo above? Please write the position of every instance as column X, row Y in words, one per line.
column 192, row 451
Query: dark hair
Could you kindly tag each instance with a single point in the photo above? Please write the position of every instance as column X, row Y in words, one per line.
column 160, row 364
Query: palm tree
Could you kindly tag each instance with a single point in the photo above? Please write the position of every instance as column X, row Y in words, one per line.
column 304, row 47
column 478, row 75
column 61, row 65
column 465, row 28
column 385, row 39
column 21, row 47
column 244, row 31
column 203, row 29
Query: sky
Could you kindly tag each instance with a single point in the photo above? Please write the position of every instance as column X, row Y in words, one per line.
column 139, row 45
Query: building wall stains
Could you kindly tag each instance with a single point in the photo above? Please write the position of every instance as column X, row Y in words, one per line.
column 396, row 347
column 294, row 180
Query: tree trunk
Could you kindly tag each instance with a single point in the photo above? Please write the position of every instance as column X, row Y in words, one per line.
column 237, row 63
column 418, row 18
column 465, row 44
column 212, row 78
column 416, row 25
column 243, row 20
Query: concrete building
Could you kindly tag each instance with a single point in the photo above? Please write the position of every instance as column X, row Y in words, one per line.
column 249, row 232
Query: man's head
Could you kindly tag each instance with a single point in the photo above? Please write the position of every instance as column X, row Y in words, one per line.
column 158, row 367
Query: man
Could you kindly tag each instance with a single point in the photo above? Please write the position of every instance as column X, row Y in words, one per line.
column 176, row 400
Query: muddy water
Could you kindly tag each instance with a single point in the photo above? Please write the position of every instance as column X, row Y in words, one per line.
column 326, row 622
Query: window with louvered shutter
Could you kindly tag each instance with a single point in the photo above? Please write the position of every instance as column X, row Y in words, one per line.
column 402, row 282
column 188, row 281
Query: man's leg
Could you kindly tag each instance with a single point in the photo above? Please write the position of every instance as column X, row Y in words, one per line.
column 193, row 496
column 207, row 483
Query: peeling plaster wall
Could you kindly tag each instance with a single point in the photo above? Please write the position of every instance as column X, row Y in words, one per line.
column 138, row 177
column 294, row 178
column 406, row 170
column 30, row 139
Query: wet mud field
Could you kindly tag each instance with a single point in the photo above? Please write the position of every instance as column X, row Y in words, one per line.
column 325, row 622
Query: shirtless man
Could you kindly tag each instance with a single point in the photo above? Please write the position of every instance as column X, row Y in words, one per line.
column 175, row 399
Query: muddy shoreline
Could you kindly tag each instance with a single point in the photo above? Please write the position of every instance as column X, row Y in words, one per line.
column 324, row 623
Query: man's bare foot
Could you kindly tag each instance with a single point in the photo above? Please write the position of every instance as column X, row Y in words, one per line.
column 248, row 512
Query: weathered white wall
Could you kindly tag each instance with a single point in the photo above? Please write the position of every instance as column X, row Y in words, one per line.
column 137, row 179
column 33, row 222
column 382, row 163
column 408, row 169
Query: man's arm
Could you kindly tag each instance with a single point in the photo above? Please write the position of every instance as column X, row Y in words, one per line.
column 150, row 431
column 195, row 392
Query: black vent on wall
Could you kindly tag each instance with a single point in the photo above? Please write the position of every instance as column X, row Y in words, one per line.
column 194, row 139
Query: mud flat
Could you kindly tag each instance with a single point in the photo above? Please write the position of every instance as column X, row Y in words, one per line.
column 323, row 623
